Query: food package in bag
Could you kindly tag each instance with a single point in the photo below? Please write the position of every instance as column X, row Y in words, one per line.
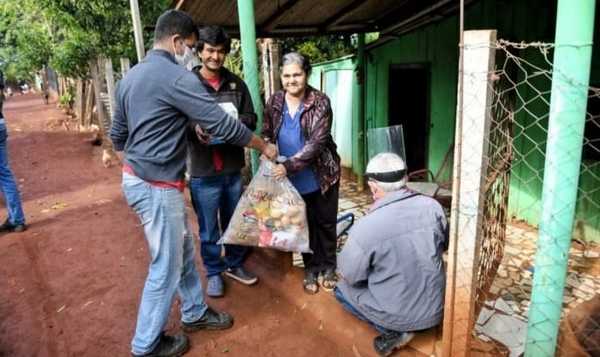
column 270, row 213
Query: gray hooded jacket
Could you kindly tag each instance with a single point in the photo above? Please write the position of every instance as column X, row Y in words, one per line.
column 391, row 266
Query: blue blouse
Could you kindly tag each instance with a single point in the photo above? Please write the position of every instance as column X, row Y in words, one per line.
column 291, row 140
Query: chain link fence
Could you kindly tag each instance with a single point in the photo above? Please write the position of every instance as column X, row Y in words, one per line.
column 500, row 165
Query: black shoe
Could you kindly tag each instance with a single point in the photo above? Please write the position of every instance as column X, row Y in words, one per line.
column 169, row 346
column 211, row 320
column 9, row 227
column 386, row 343
column 242, row 275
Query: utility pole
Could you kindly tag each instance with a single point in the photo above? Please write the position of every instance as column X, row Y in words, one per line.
column 137, row 29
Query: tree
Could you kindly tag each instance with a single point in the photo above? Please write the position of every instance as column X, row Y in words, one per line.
column 320, row 48
column 25, row 43
column 67, row 34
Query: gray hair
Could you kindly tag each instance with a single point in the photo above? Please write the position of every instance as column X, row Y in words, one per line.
column 296, row 58
column 385, row 162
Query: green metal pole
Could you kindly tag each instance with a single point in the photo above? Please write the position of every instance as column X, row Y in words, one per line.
column 250, row 63
column 570, row 81
column 360, row 128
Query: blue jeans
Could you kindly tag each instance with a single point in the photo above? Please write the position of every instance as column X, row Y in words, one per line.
column 214, row 199
column 8, row 184
column 351, row 309
column 172, row 269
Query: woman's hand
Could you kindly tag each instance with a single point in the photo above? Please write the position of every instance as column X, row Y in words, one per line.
column 279, row 172
column 202, row 135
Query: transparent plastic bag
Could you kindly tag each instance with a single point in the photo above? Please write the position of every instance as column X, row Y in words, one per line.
column 270, row 213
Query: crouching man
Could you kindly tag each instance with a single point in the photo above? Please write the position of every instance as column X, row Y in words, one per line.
column 391, row 266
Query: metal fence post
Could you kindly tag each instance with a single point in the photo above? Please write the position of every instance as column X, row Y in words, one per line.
column 570, row 81
column 250, row 63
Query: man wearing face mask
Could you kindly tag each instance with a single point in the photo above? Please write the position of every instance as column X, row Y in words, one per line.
column 216, row 182
column 155, row 102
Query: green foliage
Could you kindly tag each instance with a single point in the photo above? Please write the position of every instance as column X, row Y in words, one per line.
column 321, row 48
column 71, row 57
column 66, row 100
column 25, row 44
column 371, row 37
column 233, row 61
column 325, row 48
column 68, row 33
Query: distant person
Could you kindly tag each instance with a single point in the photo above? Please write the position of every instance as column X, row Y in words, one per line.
column 215, row 170
column 15, row 222
column 298, row 119
column 45, row 93
column 155, row 103
column 391, row 268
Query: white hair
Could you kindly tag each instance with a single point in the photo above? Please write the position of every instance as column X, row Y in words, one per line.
column 385, row 162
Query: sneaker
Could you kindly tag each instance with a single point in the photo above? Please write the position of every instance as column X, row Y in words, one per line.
column 169, row 346
column 242, row 275
column 211, row 320
column 215, row 286
column 9, row 227
column 386, row 343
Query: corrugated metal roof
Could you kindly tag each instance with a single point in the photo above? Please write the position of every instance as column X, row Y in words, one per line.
column 276, row 18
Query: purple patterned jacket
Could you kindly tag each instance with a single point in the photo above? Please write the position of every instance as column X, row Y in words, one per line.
column 319, row 151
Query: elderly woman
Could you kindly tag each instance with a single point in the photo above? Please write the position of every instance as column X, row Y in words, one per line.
column 298, row 119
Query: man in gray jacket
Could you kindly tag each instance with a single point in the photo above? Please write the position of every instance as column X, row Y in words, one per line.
column 155, row 102
column 391, row 266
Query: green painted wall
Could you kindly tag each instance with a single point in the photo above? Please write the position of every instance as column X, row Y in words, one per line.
column 437, row 46
column 318, row 80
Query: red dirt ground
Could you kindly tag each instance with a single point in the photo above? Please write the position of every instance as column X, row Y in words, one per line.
column 70, row 285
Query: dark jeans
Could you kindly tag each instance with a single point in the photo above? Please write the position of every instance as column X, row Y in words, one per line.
column 340, row 297
column 321, row 212
column 214, row 199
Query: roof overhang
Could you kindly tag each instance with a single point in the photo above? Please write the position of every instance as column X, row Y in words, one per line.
column 290, row 18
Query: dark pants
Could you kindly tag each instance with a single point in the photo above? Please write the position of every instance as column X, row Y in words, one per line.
column 321, row 212
column 351, row 309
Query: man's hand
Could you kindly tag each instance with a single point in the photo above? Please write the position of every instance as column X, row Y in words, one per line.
column 270, row 151
column 110, row 158
column 202, row 135
column 267, row 150
column 279, row 172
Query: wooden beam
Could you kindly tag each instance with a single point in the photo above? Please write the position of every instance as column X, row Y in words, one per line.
column 343, row 12
column 271, row 22
column 418, row 15
column 392, row 9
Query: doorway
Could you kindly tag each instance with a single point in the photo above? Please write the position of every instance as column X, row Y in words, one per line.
column 409, row 107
